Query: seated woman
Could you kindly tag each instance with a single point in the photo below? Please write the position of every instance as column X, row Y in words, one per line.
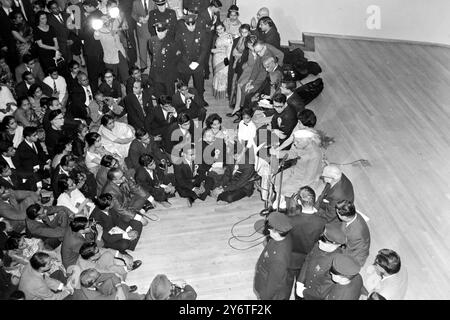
column 101, row 177
column 24, row 115
column 213, row 157
column 95, row 151
column 63, row 147
column 117, row 136
column 11, row 131
column 78, row 143
column 7, row 102
column 110, row 87
column 72, row 198
column 214, row 122
column 35, row 94
column 308, row 167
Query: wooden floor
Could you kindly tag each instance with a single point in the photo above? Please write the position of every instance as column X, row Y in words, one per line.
column 385, row 102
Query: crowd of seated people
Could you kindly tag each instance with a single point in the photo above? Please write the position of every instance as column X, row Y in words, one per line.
column 92, row 139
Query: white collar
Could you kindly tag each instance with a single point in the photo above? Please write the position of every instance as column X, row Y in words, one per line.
column 31, row 144
column 311, row 211
column 351, row 221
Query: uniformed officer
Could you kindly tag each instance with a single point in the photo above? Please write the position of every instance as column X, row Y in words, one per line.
column 164, row 56
column 314, row 281
column 271, row 277
column 347, row 280
column 162, row 14
column 191, row 39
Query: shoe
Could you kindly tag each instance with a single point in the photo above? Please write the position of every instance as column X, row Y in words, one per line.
column 230, row 114
column 206, row 104
column 136, row 264
column 132, row 288
column 237, row 120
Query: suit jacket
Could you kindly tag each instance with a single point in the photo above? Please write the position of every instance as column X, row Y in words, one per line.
column 11, row 210
column 240, row 179
column 15, row 185
column 358, row 239
column 295, row 102
column 22, row 90
column 172, row 132
column 195, row 109
column 184, row 176
column 156, row 123
column 271, row 276
column 137, row 149
column 343, row 190
column 137, row 11
column 135, row 112
column 149, row 184
column 105, row 289
column 70, row 247
column 77, row 100
column 108, row 222
column 92, row 47
column 37, row 71
column 61, row 30
column 36, row 287
column 26, row 158
column 120, row 201
column 5, row 32
column 272, row 37
column 55, row 228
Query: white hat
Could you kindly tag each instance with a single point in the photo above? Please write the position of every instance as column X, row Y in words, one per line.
column 303, row 134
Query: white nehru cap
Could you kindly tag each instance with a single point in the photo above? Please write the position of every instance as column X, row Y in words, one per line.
column 299, row 134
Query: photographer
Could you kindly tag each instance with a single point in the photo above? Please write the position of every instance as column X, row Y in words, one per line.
column 162, row 288
column 47, row 223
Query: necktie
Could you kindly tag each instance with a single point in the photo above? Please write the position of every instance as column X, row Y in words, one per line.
column 145, row 7
column 89, row 95
column 60, row 18
column 55, row 90
column 34, row 148
column 141, row 102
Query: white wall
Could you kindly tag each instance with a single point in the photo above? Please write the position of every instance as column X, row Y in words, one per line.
column 417, row 20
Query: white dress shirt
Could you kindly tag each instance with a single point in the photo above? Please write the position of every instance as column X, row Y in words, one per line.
column 61, row 85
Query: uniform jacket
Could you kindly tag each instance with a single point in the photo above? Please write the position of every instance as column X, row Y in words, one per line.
column 194, row 47
column 315, row 273
column 343, row 190
column 37, row 71
column 272, row 270
column 168, row 17
column 134, row 111
column 351, row 291
column 358, row 239
column 164, row 59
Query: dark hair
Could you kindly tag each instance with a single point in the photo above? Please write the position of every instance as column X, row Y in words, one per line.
column 248, row 111
column 90, row 3
column 183, row 117
column 345, row 208
column 33, row 89
column 245, row 26
column 259, row 42
column 39, row 260
column 91, row 137
column 20, row 100
column 61, row 144
column 50, row 3
column 2, row 227
column 17, row 295
column 65, row 160
column 51, row 70
column 233, row 8
column 3, row 167
column 215, row 3
column 108, row 71
column 5, row 145
column 12, row 243
column 163, row 100
column 140, row 132
column 290, row 85
column 79, row 223
column 27, row 58
column 112, row 172
column 145, row 160
column 6, row 120
column 279, row 97
column 389, row 260
column 133, row 69
column 87, row 250
column 220, row 23
column 376, row 296
column 72, row 64
column 180, row 84
column 43, row 102
column 33, row 211
column 29, row 131
column 307, row 118
column 63, row 183
column 105, row 119
column 107, row 160
column 26, row 74
column 38, row 16
column 103, row 201
column 211, row 118
column 266, row 20
column 53, row 114
column 13, row 14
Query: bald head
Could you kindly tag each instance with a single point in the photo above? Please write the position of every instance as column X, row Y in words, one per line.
column 332, row 172
column 263, row 12
column 88, row 277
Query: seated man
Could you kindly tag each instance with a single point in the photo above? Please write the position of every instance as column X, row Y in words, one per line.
column 106, row 260
column 136, row 75
column 161, row 117
column 117, row 234
column 47, row 223
column 107, row 162
column 37, row 285
column 129, row 204
column 65, row 167
column 162, row 288
column 104, row 286
column 144, row 144
column 13, row 206
column 178, row 135
column 188, row 183
column 28, row 79
column 185, row 100
column 153, row 180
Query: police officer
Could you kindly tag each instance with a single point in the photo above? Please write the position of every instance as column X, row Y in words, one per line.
column 162, row 14
column 163, row 52
column 347, row 280
column 314, row 281
column 191, row 39
column 271, row 277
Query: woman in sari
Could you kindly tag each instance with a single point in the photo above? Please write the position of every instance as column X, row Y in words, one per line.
column 11, row 131
column 35, row 95
column 95, row 151
column 221, row 56
column 232, row 22
column 117, row 136
column 22, row 33
column 24, row 115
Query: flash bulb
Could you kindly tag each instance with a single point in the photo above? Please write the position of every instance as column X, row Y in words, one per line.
column 114, row 12
column 97, row 24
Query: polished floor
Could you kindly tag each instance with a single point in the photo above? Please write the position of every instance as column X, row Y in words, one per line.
column 385, row 102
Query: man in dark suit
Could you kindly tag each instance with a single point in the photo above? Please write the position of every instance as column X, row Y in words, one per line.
column 144, row 144
column 153, row 180
column 139, row 13
column 124, row 239
column 209, row 18
column 177, row 135
column 136, row 74
column 30, row 158
column 271, row 275
column 126, row 202
column 50, row 230
column 92, row 48
column 137, row 105
column 269, row 34
column 188, row 182
column 80, row 97
column 65, row 167
column 71, row 79
column 57, row 20
column 293, row 99
column 194, row 45
column 307, row 227
column 338, row 187
column 29, row 63
column 27, row 80
column 7, row 40
column 356, row 230
column 187, row 100
column 8, row 179
column 239, row 184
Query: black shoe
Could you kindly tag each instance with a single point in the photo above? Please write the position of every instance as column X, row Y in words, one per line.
column 136, row 264
column 148, row 206
column 206, row 77
column 205, row 104
column 132, row 288
column 230, row 114
column 237, row 120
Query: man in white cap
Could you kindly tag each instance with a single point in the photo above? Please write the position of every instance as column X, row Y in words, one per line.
column 338, row 187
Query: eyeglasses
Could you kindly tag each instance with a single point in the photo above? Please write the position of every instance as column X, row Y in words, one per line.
column 190, row 23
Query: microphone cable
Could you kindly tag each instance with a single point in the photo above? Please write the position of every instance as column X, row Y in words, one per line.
column 242, row 238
